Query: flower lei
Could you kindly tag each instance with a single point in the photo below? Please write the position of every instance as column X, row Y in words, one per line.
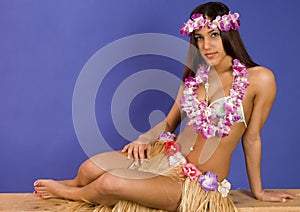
column 223, row 23
column 199, row 113
column 207, row 181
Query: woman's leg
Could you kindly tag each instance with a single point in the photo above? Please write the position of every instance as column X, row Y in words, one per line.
column 94, row 167
column 140, row 187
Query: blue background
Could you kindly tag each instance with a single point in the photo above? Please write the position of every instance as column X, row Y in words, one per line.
column 44, row 45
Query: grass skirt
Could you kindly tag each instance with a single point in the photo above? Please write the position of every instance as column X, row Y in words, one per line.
column 194, row 198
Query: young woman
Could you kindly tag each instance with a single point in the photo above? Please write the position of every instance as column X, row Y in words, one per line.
column 226, row 96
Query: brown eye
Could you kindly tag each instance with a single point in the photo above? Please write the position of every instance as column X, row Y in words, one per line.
column 215, row 34
column 198, row 38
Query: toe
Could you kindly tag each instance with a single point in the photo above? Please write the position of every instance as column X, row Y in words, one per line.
column 36, row 183
column 39, row 189
column 46, row 196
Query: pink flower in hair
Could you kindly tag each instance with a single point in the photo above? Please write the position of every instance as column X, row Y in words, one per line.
column 224, row 23
column 214, row 25
column 229, row 21
column 234, row 20
column 187, row 28
column 199, row 21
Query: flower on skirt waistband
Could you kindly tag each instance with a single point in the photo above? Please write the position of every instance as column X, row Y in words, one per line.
column 207, row 181
column 171, row 147
column 224, row 187
column 176, row 160
column 172, row 150
column 168, row 136
column 191, row 171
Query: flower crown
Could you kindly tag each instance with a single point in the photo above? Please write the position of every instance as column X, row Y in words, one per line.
column 223, row 23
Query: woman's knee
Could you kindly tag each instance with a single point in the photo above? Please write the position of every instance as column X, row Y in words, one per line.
column 87, row 172
column 87, row 167
column 109, row 184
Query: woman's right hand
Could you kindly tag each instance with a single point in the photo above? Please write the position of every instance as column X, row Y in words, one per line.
column 137, row 150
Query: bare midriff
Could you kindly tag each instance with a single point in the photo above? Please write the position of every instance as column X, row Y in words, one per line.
column 219, row 162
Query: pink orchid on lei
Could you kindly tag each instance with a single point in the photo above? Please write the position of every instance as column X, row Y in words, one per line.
column 198, row 111
column 223, row 23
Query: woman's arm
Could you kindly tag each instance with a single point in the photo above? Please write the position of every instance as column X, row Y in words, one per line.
column 265, row 92
column 139, row 147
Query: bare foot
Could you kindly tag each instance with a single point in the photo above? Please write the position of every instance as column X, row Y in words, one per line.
column 51, row 189
column 68, row 183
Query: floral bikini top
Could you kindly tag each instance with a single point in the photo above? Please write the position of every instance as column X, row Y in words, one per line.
column 214, row 119
column 218, row 110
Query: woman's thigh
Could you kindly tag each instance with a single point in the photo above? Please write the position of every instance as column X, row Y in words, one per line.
column 152, row 190
column 109, row 161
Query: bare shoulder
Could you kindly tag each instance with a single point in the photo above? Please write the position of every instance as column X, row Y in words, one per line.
column 261, row 77
column 261, row 73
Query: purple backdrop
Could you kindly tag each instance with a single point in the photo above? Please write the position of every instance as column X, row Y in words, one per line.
column 45, row 44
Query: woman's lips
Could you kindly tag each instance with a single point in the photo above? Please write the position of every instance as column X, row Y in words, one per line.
column 210, row 55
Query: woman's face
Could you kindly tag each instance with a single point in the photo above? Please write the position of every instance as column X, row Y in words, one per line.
column 210, row 45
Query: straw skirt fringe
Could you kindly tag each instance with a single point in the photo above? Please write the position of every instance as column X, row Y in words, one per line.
column 194, row 199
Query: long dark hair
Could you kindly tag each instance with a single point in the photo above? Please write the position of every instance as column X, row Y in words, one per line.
column 231, row 40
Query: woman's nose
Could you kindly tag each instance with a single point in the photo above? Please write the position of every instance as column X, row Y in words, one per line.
column 206, row 44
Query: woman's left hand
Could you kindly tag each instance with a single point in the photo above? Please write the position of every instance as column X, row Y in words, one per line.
column 275, row 196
